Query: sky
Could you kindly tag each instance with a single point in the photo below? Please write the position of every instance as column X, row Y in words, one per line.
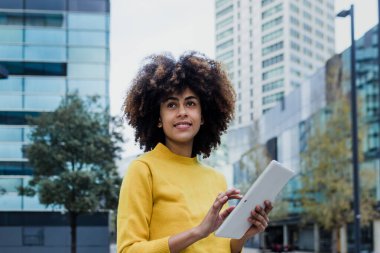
column 143, row 27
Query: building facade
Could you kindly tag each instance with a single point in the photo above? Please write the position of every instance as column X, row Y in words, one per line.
column 289, row 125
column 49, row 49
column 269, row 47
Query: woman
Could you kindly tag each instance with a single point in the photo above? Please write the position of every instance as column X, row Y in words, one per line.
column 169, row 201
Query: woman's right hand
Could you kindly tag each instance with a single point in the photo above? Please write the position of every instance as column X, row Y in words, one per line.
column 215, row 217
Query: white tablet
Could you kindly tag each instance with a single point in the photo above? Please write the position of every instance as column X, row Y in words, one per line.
column 266, row 187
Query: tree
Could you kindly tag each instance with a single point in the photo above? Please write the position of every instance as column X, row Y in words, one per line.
column 326, row 176
column 72, row 152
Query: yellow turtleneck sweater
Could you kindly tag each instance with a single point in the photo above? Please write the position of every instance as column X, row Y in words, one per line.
column 164, row 194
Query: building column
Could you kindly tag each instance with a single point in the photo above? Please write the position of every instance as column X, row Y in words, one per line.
column 376, row 236
column 316, row 238
column 285, row 235
column 343, row 239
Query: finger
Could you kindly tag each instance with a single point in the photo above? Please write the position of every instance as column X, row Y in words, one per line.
column 232, row 191
column 268, row 206
column 259, row 214
column 236, row 196
column 219, row 202
column 227, row 212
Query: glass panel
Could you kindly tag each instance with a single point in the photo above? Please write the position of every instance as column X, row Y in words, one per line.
column 44, row 85
column 10, row 201
column 40, row 102
column 12, row 84
column 10, row 18
column 34, row 19
column 46, row 5
column 11, row 36
column 11, row 4
column 87, row 70
column 82, row 54
column 87, row 21
column 89, row 5
column 11, row 150
column 16, row 118
column 10, row 134
column 15, row 168
column 35, row 68
column 45, row 53
column 85, row 87
column 32, row 203
column 45, row 37
column 10, row 102
column 8, row 52
column 82, row 38
column 10, row 184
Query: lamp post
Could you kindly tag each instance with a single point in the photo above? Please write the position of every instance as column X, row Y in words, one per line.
column 354, row 130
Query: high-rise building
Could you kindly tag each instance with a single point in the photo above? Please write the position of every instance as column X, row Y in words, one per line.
column 269, row 47
column 48, row 48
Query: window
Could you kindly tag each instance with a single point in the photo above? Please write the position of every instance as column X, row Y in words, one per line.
column 224, row 45
column 273, row 35
column 295, row 59
column 266, row 2
column 271, row 11
column 294, row 33
column 87, row 21
column 273, row 60
column 273, row 85
column 89, row 5
column 10, row 52
column 307, row 39
column 33, row 236
column 82, row 54
column 45, row 85
column 224, row 34
column 294, row 8
column 225, row 11
column 307, row 27
column 42, row 102
column 11, row 36
column 11, row 4
column 16, row 118
column 35, row 68
column 273, row 73
column 271, row 23
column 224, row 22
column 55, row 5
column 86, row 88
column 272, row 48
column 225, row 56
column 45, row 36
column 45, row 53
column 86, row 71
column 273, row 98
column 87, row 38
column 221, row 2
column 294, row 46
column 294, row 21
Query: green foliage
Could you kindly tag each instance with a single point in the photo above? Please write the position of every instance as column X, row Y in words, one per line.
column 72, row 153
column 326, row 177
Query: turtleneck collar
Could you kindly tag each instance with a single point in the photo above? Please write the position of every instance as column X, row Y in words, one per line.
column 162, row 150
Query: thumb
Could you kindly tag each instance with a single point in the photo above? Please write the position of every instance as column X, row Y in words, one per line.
column 227, row 212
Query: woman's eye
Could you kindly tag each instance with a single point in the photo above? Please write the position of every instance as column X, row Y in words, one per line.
column 191, row 103
column 171, row 105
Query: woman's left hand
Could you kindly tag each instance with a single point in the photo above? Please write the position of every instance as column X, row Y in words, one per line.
column 259, row 220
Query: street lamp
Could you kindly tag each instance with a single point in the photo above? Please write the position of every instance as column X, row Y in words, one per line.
column 354, row 130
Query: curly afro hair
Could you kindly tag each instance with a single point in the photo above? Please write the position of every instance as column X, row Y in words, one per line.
column 161, row 76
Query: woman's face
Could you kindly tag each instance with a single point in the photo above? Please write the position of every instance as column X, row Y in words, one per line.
column 181, row 118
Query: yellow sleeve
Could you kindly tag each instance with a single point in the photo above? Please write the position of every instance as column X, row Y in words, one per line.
column 135, row 212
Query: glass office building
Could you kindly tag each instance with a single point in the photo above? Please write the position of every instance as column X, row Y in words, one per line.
column 49, row 48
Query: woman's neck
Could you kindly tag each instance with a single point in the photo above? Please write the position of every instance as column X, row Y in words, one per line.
column 182, row 149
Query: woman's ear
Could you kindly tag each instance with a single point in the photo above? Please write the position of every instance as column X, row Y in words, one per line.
column 159, row 125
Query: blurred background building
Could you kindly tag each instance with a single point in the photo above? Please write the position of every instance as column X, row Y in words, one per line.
column 288, row 125
column 269, row 47
column 49, row 49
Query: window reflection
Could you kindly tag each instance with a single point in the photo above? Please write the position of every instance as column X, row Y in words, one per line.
column 45, row 53
column 10, row 102
column 87, row 88
column 16, row 118
column 11, row 151
column 45, row 36
column 81, row 54
column 40, row 102
column 87, row 70
column 31, row 19
column 87, row 21
column 45, row 85
column 9, row 52
column 87, row 38
column 15, row 168
column 11, row 134
column 12, row 84
column 11, row 36
column 35, row 68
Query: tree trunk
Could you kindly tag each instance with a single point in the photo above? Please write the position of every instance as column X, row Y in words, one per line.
column 343, row 238
column 334, row 240
column 73, row 227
